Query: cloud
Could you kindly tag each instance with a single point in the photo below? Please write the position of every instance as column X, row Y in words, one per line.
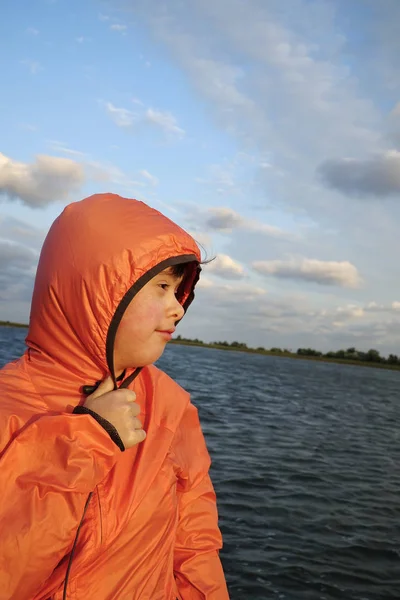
column 14, row 256
column 165, row 120
column 121, row 116
column 231, row 177
column 149, row 177
column 48, row 179
column 128, row 119
column 268, row 320
column 16, row 231
column 227, row 268
column 203, row 239
column 396, row 110
column 225, row 219
column 350, row 311
column 103, row 17
column 32, row 31
column 378, row 176
column 342, row 274
column 272, row 76
column 28, row 127
column 33, row 66
column 17, row 272
column 392, row 126
column 103, row 171
column 118, row 27
column 61, row 147
column 222, row 294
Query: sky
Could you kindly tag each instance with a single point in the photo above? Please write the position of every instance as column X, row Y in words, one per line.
column 269, row 130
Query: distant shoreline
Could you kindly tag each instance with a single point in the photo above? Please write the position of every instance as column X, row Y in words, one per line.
column 339, row 361
column 11, row 324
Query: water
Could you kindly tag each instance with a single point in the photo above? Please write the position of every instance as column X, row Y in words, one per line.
column 306, row 462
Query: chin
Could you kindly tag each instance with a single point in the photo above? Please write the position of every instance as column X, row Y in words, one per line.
column 146, row 361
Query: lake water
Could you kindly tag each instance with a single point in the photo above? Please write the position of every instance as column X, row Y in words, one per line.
column 306, row 465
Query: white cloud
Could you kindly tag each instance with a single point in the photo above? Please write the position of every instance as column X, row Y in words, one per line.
column 342, row 274
column 350, row 311
column 121, row 116
column 102, row 171
column 204, row 282
column 165, row 120
column 58, row 146
column 32, row 31
column 268, row 71
column 129, row 119
column 224, row 266
column 149, row 177
column 34, row 66
column 223, row 294
column 81, row 39
column 28, row 127
column 204, row 239
column 46, row 180
column 118, row 27
column 103, row 17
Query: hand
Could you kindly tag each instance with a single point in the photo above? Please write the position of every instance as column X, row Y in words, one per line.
column 118, row 407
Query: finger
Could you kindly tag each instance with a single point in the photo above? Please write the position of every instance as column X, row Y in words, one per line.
column 140, row 435
column 134, row 409
column 127, row 395
column 107, row 385
column 136, row 424
column 136, row 436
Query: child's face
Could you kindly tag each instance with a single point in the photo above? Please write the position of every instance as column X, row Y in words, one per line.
column 148, row 323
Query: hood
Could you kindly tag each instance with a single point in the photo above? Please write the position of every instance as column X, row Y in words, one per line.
column 97, row 255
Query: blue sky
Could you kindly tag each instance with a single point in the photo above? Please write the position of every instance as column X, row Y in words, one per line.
column 270, row 130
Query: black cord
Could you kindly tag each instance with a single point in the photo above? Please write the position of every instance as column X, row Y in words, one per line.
column 71, row 556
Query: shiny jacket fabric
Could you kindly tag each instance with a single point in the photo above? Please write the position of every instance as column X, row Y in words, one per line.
column 150, row 528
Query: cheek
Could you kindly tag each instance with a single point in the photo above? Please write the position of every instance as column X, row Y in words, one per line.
column 144, row 316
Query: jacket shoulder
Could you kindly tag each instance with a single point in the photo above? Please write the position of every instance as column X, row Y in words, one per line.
column 20, row 404
column 167, row 398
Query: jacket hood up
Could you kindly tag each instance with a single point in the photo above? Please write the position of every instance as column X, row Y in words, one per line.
column 97, row 255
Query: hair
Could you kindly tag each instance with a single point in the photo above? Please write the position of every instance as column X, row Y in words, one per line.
column 184, row 269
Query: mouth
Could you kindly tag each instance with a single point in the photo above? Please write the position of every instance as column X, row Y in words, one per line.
column 167, row 333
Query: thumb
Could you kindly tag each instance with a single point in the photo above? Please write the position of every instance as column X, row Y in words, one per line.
column 107, row 385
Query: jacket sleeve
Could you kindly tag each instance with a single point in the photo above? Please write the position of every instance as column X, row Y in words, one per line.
column 47, row 472
column 197, row 566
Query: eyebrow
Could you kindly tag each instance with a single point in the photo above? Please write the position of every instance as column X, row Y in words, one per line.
column 168, row 272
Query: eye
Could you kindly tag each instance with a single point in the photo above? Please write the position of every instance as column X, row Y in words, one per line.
column 164, row 286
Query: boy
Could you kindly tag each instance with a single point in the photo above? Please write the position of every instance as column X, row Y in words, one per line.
column 103, row 466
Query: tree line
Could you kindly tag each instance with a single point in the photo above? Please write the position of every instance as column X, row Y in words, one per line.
column 350, row 354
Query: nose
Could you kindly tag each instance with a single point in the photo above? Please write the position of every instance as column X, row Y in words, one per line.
column 177, row 309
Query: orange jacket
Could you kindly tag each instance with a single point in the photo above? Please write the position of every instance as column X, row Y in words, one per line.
column 150, row 528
